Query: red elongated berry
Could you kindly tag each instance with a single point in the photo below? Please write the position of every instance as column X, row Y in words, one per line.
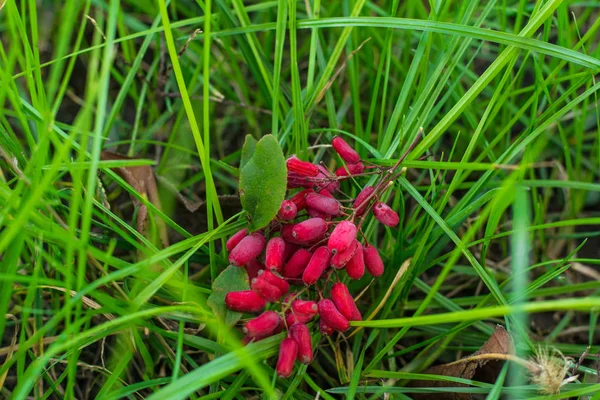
column 295, row 180
column 326, row 194
column 325, row 329
column 332, row 317
column 350, row 169
column 236, row 238
column 273, row 279
column 373, row 261
column 342, row 237
column 288, row 352
column 303, row 168
column 339, row 260
column 266, row 290
column 317, row 214
column 244, row 301
column 274, row 253
column 356, row 266
column 323, row 203
column 290, row 249
column 385, row 214
column 299, row 199
column 300, row 333
column 292, row 318
column 296, row 264
column 309, row 229
column 249, row 248
column 317, row 265
column 325, row 181
column 344, row 302
column 361, row 203
column 288, row 210
column 252, row 268
column 262, row 325
column 345, row 151
column 286, row 233
column 305, row 307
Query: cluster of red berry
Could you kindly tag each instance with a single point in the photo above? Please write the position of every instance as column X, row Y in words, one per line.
column 312, row 236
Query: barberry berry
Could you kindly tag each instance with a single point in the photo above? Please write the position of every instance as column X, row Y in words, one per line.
column 373, row 261
column 244, row 301
column 350, row 169
column 288, row 352
column 323, row 204
column 252, row 268
column 288, row 210
column 385, row 214
column 332, row 317
column 302, row 168
column 300, row 333
column 325, row 329
column 310, row 229
column 306, row 307
column 299, row 199
column 273, row 279
column 236, row 238
column 297, row 263
column 356, row 266
column 339, row 260
column 317, row 265
column 344, row 302
column 266, row 290
column 361, row 203
column 274, row 253
column 262, row 325
column 249, row 248
column 342, row 236
column 345, row 151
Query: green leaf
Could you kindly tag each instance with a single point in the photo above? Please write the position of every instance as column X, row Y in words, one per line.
column 247, row 150
column 230, row 280
column 263, row 183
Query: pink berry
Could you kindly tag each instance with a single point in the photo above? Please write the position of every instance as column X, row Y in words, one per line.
column 295, row 180
column 290, row 249
column 345, row 150
column 385, row 214
column 360, row 203
column 339, row 260
column 317, row 265
column 356, row 266
column 288, row 210
column 323, row 203
column 266, row 290
column 292, row 318
column 274, row 253
column 342, row 237
column 305, row 307
column 244, row 301
column 288, row 352
column 325, row 181
column 262, row 325
column 332, row 317
column 350, row 169
column 373, row 261
column 300, row 333
column 344, row 302
column 252, row 269
column 236, row 238
column 249, row 248
column 310, row 229
column 317, row 214
column 296, row 264
column 303, row 168
column 273, row 279
column 299, row 199
column 325, row 329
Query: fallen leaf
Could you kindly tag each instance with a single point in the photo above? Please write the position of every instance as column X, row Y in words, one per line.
column 483, row 370
column 141, row 178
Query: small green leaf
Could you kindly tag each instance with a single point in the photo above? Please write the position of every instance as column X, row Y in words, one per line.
column 263, row 183
column 232, row 279
column 247, row 150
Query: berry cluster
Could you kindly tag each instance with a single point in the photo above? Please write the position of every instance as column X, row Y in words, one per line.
column 312, row 239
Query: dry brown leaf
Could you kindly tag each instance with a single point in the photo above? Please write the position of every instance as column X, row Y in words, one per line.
column 141, row 178
column 482, row 369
